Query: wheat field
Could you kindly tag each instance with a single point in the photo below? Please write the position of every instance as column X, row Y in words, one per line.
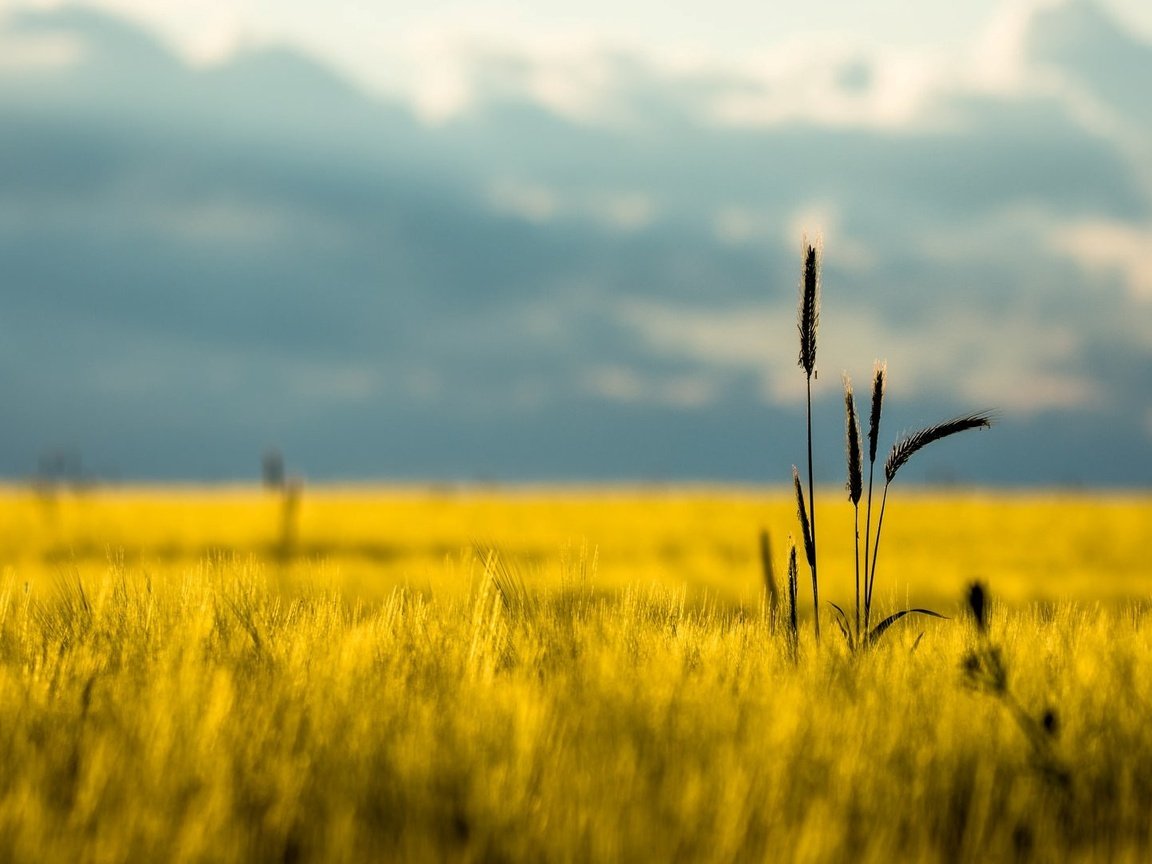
column 571, row 674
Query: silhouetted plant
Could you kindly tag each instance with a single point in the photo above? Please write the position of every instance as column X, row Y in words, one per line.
column 809, row 320
column 857, row 630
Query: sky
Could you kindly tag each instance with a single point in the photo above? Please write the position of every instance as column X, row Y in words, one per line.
column 449, row 241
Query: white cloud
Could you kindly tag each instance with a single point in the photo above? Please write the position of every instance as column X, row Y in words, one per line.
column 446, row 67
column 996, row 60
column 532, row 202
column 203, row 32
column 623, row 210
column 38, row 51
column 617, row 383
column 627, row 210
column 734, row 340
column 625, row 384
column 1112, row 248
column 806, row 81
column 735, row 225
column 595, row 67
column 1014, row 362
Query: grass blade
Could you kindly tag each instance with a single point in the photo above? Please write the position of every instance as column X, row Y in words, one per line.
column 805, row 525
column 883, row 626
column 844, row 623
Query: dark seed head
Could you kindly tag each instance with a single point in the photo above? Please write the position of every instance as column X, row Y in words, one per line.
column 879, row 372
column 855, row 472
column 976, row 604
column 809, row 309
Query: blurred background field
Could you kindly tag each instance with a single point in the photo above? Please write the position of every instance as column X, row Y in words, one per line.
column 704, row 541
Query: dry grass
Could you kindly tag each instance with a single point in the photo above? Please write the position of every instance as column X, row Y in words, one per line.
column 164, row 705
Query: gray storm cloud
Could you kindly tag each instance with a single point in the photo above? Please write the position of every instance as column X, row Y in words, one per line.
column 197, row 262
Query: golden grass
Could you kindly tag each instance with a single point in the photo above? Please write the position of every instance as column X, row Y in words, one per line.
column 170, row 690
column 1028, row 546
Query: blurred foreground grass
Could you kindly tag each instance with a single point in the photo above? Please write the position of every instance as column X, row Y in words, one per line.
column 175, row 685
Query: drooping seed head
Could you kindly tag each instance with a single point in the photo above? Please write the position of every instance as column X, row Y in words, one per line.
column 909, row 445
column 809, row 308
column 879, row 372
column 855, row 472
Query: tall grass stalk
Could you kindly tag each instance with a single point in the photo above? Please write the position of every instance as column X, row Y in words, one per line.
column 879, row 373
column 809, row 320
column 793, row 620
column 855, row 481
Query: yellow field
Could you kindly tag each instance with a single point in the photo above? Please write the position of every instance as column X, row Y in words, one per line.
column 205, row 675
column 366, row 541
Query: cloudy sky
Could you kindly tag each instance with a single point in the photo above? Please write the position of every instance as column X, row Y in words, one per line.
column 451, row 241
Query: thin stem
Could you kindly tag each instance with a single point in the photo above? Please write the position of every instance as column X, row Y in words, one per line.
column 793, row 623
column 856, row 561
column 876, row 550
column 812, row 517
column 867, row 537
